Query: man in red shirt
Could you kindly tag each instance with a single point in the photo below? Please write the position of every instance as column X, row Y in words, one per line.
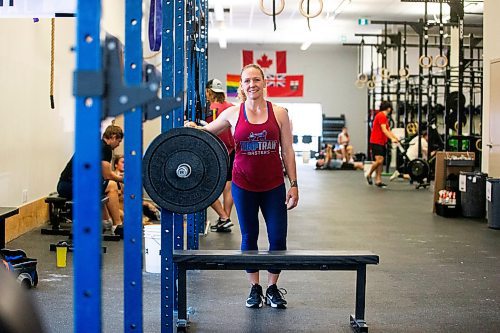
column 378, row 139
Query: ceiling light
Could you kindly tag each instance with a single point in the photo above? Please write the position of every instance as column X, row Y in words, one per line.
column 222, row 40
column 305, row 45
column 218, row 11
column 340, row 8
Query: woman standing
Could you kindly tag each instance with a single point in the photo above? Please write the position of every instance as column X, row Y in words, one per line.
column 261, row 133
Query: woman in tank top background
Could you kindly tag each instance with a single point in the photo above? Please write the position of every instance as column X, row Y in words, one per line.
column 263, row 139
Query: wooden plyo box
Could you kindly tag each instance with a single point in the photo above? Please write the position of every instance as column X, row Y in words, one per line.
column 444, row 168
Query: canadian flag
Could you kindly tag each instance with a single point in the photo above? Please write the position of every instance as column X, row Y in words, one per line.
column 271, row 62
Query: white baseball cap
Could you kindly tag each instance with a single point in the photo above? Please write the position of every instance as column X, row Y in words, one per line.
column 215, row 85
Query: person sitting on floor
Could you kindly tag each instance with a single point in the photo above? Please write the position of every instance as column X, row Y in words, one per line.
column 149, row 210
column 343, row 147
column 326, row 161
column 337, row 164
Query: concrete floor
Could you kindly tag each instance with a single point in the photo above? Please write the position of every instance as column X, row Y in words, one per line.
column 435, row 274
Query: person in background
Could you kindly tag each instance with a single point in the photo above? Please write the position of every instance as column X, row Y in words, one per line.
column 412, row 153
column 328, row 162
column 217, row 98
column 148, row 209
column 111, row 138
column 260, row 129
column 343, row 145
column 378, row 139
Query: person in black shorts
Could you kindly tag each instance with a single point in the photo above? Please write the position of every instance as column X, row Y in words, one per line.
column 111, row 138
column 378, row 139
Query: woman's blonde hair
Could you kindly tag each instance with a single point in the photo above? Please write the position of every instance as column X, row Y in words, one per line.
column 253, row 66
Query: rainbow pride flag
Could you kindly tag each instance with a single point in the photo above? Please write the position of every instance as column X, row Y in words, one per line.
column 232, row 83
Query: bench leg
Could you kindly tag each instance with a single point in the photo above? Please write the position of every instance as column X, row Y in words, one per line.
column 358, row 323
column 181, row 299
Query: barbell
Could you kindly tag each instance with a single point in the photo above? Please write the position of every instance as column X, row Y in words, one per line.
column 185, row 169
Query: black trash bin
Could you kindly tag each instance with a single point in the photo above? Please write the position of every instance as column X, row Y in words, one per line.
column 493, row 199
column 472, row 186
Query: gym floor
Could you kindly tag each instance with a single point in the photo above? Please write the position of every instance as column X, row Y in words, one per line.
column 435, row 274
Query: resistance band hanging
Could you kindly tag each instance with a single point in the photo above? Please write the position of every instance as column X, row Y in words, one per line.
column 155, row 22
column 52, row 50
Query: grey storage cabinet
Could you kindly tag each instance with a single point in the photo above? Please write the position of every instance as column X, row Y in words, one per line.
column 493, row 199
column 472, row 186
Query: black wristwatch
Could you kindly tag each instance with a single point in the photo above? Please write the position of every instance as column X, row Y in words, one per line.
column 293, row 183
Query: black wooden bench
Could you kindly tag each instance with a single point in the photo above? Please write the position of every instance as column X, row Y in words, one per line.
column 5, row 212
column 285, row 260
column 60, row 215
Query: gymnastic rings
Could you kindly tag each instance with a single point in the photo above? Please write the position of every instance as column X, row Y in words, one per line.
column 305, row 14
column 412, row 128
column 359, row 84
column 277, row 12
column 425, row 61
column 384, row 73
column 362, row 77
column 370, row 84
column 479, row 145
column 404, row 73
column 440, row 61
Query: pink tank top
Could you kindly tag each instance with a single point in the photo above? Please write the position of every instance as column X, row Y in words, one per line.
column 257, row 165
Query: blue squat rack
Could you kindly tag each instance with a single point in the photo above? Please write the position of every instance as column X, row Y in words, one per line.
column 184, row 41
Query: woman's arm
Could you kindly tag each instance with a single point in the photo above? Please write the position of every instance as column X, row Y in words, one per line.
column 288, row 155
column 226, row 119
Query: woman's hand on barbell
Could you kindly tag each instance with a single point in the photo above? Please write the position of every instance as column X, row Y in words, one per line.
column 190, row 124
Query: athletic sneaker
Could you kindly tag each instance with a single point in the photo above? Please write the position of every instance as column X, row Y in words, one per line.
column 222, row 226
column 274, row 297
column 254, row 300
column 369, row 179
column 394, row 175
column 381, row 185
column 107, row 225
column 226, row 224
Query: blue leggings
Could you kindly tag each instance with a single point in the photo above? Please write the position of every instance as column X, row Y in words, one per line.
column 272, row 205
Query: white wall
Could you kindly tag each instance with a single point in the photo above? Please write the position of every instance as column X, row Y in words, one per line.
column 491, row 52
column 36, row 141
column 329, row 75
